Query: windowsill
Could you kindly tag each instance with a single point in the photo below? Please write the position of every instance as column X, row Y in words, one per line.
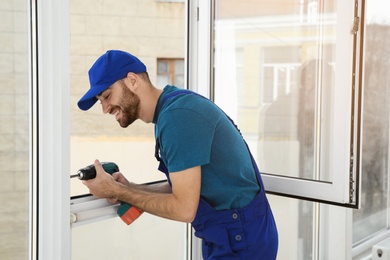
column 87, row 209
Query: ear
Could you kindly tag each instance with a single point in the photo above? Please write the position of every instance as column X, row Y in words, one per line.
column 132, row 81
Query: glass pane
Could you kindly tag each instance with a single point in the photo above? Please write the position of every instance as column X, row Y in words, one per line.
column 141, row 28
column 179, row 73
column 14, row 130
column 163, row 80
column 179, row 81
column 179, row 67
column 373, row 215
column 162, row 67
column 274, row 65
column 113, row 239
column 295, row 234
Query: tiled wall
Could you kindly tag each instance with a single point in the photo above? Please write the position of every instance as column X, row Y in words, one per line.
column 148, row 29
column 14, row 133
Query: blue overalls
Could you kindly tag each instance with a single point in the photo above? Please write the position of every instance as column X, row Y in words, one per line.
column 248, row 233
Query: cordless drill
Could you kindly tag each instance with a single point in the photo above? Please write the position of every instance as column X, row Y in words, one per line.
column 126, row 212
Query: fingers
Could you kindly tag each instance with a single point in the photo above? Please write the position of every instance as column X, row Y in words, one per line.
column 104, row 184
column 112, row 200
column 116, row 176
column 97, row 184
column 119, row 177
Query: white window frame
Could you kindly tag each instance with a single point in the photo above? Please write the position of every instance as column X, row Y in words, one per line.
column 52, row 211
column 49, row 130
column 344, row 189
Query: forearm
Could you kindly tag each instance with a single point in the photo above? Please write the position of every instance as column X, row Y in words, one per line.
column 157, row 200
column 162, row 187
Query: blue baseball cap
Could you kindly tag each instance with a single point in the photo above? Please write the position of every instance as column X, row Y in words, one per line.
column 109, row 68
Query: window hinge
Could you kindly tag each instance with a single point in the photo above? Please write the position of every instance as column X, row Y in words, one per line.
column 355, row 27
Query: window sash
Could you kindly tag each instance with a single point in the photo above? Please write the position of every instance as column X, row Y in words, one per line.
column 343, row 186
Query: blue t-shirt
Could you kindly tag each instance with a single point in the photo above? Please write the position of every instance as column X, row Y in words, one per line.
column 193, row 131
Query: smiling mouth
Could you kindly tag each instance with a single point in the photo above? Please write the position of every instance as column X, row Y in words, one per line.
column 116, row 114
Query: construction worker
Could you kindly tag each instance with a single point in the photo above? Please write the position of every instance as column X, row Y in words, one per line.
column 213, row 180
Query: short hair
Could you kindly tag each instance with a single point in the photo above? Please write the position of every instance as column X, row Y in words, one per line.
column 145, row 77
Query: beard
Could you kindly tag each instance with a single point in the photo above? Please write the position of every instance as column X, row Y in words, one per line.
column 129, row 107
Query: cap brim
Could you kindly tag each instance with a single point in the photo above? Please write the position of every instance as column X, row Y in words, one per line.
column 89, row 98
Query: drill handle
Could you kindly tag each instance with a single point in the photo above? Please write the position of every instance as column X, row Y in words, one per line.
column 89, row 172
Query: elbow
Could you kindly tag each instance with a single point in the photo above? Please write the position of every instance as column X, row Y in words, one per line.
column 188, row 215
column 188, row 218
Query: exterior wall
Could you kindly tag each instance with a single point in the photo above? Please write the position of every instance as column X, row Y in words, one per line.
column 14, row 133
column 147, row 29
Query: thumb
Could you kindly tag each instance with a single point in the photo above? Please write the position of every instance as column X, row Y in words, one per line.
column 98, row 167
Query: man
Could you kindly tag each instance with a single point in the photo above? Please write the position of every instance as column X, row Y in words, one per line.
column 213, row 181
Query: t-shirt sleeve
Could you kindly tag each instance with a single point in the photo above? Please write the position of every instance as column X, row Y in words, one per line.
column 185, row 138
